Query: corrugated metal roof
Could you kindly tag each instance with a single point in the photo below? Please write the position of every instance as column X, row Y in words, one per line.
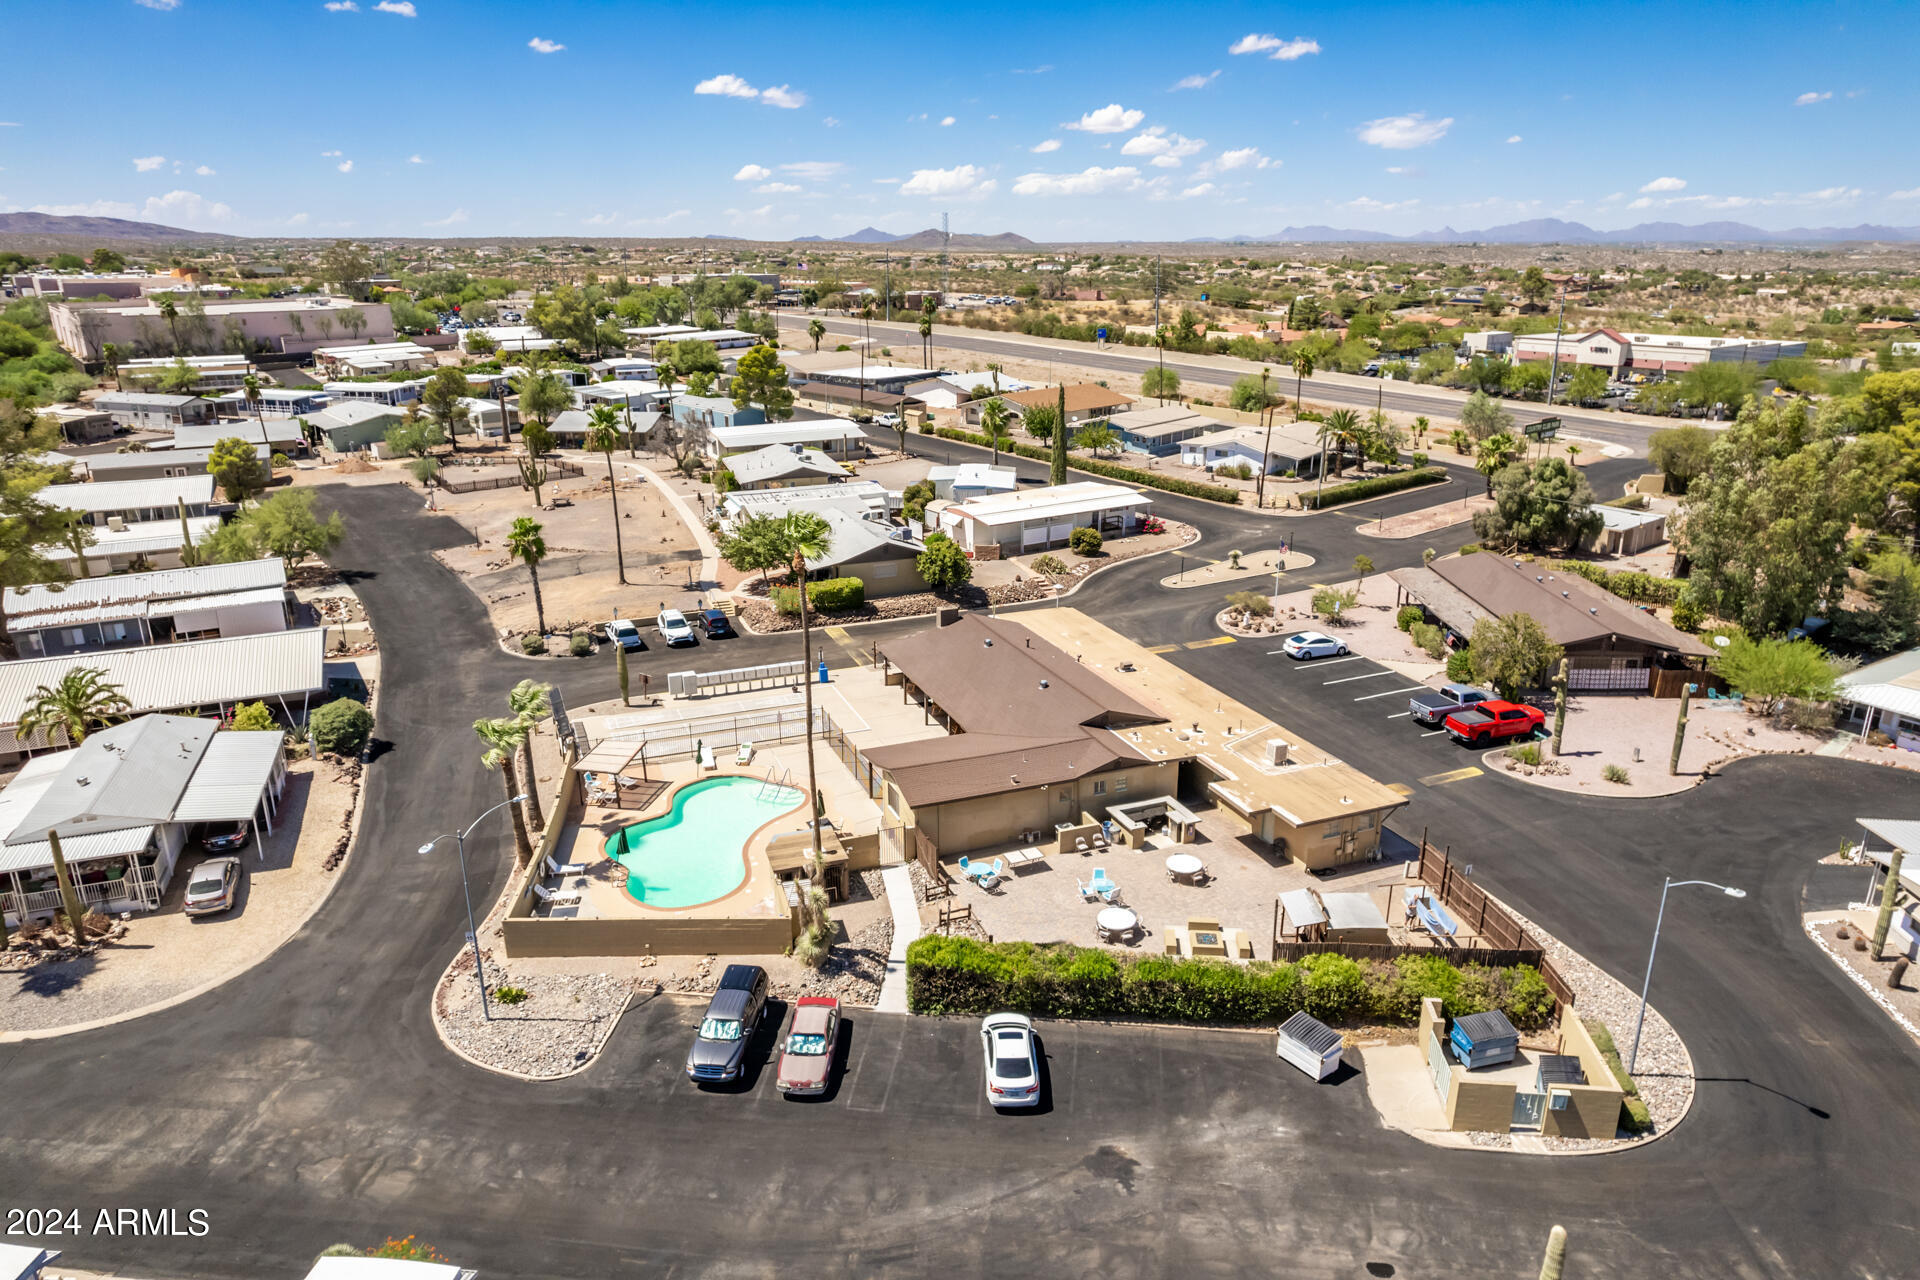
column 1310, row 1033
column 140, row 536
column 1893, row 698
column 162, row 584
column 123, row 495
column 31, row 855
column 197, row 436
column 128, row 775
column 1080, row 498
column 193, row 674
column 1902, row 833
column 777, row 461
column 232, row 774
column 850, row 536
column 803, row 431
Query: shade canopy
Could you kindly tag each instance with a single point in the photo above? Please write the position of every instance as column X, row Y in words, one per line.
column 609, row 757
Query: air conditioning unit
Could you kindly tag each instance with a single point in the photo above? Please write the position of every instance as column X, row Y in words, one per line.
column 117, row 524
column 1277, row 749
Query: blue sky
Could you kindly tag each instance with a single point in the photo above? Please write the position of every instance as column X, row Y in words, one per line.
column 1109, row 122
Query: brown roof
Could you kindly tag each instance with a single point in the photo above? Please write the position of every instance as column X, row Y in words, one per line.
column 1081, row 396
column 1568, row 608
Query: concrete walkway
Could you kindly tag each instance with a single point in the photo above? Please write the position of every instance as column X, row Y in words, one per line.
column 906, row 927
column 709, row 550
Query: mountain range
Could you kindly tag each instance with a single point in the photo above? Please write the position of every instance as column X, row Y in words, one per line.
column 49, row 224
column 931, row 238
column 1556, row 231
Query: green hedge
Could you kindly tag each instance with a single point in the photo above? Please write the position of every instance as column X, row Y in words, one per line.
column 1628, row 584
column 1112, row 471
column 829, row 595
column 960, row 975
column 1373, row 487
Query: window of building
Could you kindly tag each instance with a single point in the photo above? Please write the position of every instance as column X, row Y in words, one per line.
column 1332, row 832
column 1099, row 788
column 1119, row 784
column 76, row 635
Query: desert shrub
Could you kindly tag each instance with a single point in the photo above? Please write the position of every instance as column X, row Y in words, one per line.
column 1332, row 602
column 341, row 727
column 1250, row 602
column 1529, row 1003
column 510, row 995
column 1333, row 987
column 1428, row 977
column 1807, row 717
column 1373, row 487
column 830, row 595
column 1526, row 753
column 1687, row 616
column 1408, row 615
column 281, row 462
column 1237, row 470
column 251, row 717
column 1419, row 460
column 533, row 643
column 1430, row 638
column 1615, row 773
column 580, row 644
column 1051, row 565
column 1084, row 541
column 1459, row 667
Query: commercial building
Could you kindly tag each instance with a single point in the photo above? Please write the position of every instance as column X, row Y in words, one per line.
column 1489, row 342
column 1041, row 519
column 292, row 326
column 150, row 411
column 124, row 610
column 52, row 284
column 1620, row 353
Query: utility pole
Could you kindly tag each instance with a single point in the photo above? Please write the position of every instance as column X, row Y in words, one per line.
column 946, row 242
column 1553, row 374
column 886, row 282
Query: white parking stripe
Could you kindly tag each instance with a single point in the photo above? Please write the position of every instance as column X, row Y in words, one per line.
column 1436, row 733
column 1389, row 693
column 1320, row 662
column 1398, row 715
column 1369, row 676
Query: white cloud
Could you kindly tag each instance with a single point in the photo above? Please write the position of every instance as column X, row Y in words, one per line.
column 1198, row 81
column 297, row 220
column 540, row 44
column 664, row 218
column 600, row 219
column 340, row 6
column 1202, row 189
column 328, row 155
column 1399, row 169
column 415, row 160
column 1112, row 118
column 1274, row 47
column 753, row 173
column 777, row 188
column 9, row 124
column 785, row 96
column 96, row 209
column 962, row 181
column 1242, row 158
column 184, row 206
column 1809, row 98
column 1033, row 71
column 946, row 122
column 1367, row 204
column 1089, row 182
column 1041, row 148
column 205, row 171
column 453, row 219
column 164, row 6
column 727, row 86
column 1165, row 162
column 345, row 166
column 813, row 170
column 1159, row 143
column 1403, row 133
column 404, row 8
column 1665, row 184
column 830, row 122
column 743, row 215
column 1515, row 138
column 1911, row 193
column 147, row 164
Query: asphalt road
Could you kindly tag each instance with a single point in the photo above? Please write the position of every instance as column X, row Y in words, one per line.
column 1220, row 371
column 309, row 1101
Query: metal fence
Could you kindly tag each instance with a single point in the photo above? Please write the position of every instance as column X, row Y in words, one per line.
column 555, row 467
column 666, row 739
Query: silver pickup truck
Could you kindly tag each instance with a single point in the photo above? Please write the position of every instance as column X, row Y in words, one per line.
column 1432, row 709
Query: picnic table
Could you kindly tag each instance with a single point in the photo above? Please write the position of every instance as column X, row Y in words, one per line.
column 1116, row 922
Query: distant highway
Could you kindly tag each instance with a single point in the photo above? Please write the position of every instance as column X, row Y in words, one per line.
column 1630, row 430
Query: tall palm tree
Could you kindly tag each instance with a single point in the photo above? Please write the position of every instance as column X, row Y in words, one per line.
column 804, row 536
column 250, row 388
column 993, row 419
column 1332, row 434
column 816, row 329
column 603, row 437
column 530, row 705
column 926, row 336
column 1495, row 452
column 526, row 542
column 82, row 698
column 503, row 738
column 1302, row 370
column 171, row 314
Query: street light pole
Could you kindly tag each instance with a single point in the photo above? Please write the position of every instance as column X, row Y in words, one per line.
column 473, row 933
column 1646, row 982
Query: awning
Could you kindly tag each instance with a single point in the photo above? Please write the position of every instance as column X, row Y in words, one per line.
column 1301, row 908
column 1902, row 833
column 610, row 756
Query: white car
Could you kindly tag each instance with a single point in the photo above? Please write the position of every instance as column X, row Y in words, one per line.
column 1305, row 646
column 1013, row 1064
column 675, row 629
column 625, row 634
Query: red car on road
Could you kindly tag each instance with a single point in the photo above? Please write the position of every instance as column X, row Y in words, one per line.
column 806, row 1059
column 1493, row 721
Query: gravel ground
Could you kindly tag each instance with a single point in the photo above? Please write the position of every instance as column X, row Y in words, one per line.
column 555, row 1031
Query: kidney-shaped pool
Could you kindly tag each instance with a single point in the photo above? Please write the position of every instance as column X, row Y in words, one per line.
column 698, row 851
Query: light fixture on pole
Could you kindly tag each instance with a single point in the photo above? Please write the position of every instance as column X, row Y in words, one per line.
column 1646, row 982
column 473, row 934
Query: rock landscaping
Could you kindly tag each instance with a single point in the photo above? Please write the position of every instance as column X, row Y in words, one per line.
column 555, row 1030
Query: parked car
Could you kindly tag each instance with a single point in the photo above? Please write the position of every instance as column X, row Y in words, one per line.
column 223, row 837
column 213, row 887
column 675, row 629
column 625, row 634
column 806, row 1060
column 1013, row 1063
column 1433, row 708
column 1493, row 721
column 716, row 625
column 1305, row 646
column 719, row 1051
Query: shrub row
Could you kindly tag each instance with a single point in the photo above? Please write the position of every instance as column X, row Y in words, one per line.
column 1628, row 584
column 829, row 595
column 960, row 975
column 1373, row 487
column 1112, row 471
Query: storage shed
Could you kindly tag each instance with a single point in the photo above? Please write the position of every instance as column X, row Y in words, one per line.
column 1353, row 917
column 1484, row 1039
column 1310, row 1045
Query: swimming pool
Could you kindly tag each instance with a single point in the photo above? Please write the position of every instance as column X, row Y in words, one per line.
column 697, row 852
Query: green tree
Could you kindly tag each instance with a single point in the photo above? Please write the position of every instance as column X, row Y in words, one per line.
column 1893, row 585
column 527, row 543
column 347, row 265
column 1057, row 472
column 1534, row 285
column 445, row 399
column 1719, row 385
column 1680, row 454
column 754, row 546
column 236, row 467
column 943, row 565
column 1587, row 385
column 179, row 378
column 251, row 717
column 530, row 702
column 76, row 535
column 284, row 525
column 1484, row 416
column 603, row 437
column 1769, row 671
column 1512, row 653
column 1161, row 383
column 1336, row 434
column 1362, row 566
column 82, row 699
column 1493, row 454
column 105, row 260
column 993, row 422
column 415, row 436
column 1040, row 421
column 1095, row 437
column 1248, row 393
column 341, row 727
column 816, row 329
column 503, row 737
column 759, row 378
column 1331, row 602
column 1538, row 505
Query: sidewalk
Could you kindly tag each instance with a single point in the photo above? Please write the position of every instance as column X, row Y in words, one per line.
column 906, row 927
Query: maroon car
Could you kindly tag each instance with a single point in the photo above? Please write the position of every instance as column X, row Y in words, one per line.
column 806, row 1060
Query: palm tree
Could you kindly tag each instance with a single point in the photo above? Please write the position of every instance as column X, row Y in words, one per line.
column 804, row 536
column 603, row 437
column 1421, row 425
column 250, row 388
column 530, row 705
column 82, row 698
column 816, row 329
column 1302, row 370
column 926, row 337
column 171, row 314
column 503, row 738
column 1495, row 452
column 525, row 542
column 1341, row 426
column 993, row 420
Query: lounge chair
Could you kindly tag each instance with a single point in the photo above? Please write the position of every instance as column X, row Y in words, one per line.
column 562, row 898
column 565, row 868
column 706, row 757
column 744, row 755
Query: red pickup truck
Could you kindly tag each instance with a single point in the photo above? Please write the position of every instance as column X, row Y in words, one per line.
column 1493, row 721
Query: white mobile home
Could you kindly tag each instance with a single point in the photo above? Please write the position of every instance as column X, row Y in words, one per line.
column 1041, row 519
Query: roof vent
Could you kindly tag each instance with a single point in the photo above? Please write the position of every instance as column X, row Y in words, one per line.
column 1563, row 595
column 1044, row 685
column 1538, row 578
column 987, row 643
column 1594, row 612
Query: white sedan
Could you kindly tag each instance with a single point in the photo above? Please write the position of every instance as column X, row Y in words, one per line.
column 1307, row 645
column 1013, row 1064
